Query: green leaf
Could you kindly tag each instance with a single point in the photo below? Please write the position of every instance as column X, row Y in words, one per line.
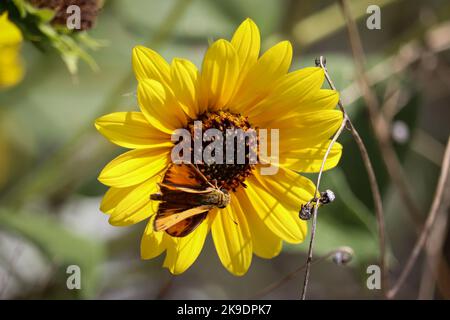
column 43, row 15
column 36, row 26
column 60, row 245
column 21, row 7
column 68, row 48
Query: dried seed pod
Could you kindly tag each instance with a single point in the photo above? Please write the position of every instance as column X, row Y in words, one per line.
column 343, row 255
column 305, row 211
column 317, row 61
column 327, row 196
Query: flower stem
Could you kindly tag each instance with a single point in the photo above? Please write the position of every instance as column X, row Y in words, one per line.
column 316, row 207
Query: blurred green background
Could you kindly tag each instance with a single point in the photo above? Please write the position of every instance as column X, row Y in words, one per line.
column 50, row 153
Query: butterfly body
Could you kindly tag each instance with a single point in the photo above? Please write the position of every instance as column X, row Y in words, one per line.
column 209, row 197
column 186, row 197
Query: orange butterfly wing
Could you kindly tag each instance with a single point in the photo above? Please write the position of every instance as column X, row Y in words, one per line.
column 185, row 175
column 179, row 220
column 186, row 226
column 180, row 211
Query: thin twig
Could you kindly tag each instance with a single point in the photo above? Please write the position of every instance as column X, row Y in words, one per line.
column 428, row 147
column 165, row 288
column 380, row 126
column 442, row 186
column 433, row 248
column 406, row 55
column 372, row 182
column 268, row 289
column 316, row 206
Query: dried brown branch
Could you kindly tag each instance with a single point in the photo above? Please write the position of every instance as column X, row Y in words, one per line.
column 373, row 185
column 344, row 251
column 410, row 53
column 433, row 246
column 372, row 182
column 380, row 126
column 435, row 41
column 440, row 202
column 428, row 147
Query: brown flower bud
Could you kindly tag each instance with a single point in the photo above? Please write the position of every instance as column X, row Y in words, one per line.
column 89, row 10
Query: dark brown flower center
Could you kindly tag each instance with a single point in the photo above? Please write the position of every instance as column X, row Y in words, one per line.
column 227, row 175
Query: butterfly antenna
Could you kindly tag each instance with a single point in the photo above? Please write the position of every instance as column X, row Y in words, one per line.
column 200, row 173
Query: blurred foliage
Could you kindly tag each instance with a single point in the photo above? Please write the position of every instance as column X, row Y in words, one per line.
column 36, row 27
column 51, row 154
column 60, row 245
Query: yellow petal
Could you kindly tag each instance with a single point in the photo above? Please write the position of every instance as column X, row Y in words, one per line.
column 310, row 159
column 288, row 93
column 112, row 198
column 232, row 238
column 265, row 243
column 185, row 85
column 277, row 200
column 136, row 205
column 273, row 65
column 291, row 188
column 220, row 72
column 152, row 243
column 11, row 69
column 147, row 64
column 182, row 252
column 324, row 99
column 134, row 167
column 159, row 107
column 11, row 34
column 131, row 130
column 307, row 129
column 246, row 41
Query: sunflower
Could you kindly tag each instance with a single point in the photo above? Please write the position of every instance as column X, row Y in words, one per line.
column 236, row 87
column 11, row 71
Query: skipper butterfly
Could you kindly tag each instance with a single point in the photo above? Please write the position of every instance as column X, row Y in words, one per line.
column 186, row 197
